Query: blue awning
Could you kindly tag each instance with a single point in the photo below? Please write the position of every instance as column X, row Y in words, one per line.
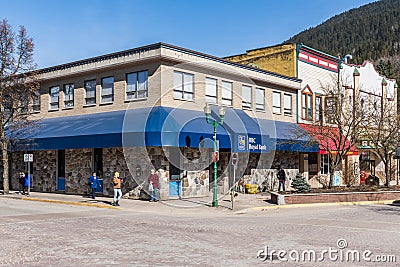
column 288, row 136
column 157, row 126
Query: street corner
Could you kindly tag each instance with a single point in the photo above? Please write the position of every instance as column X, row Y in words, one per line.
column 69, row 202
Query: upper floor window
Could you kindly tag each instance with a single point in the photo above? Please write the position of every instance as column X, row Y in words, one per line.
column 90, row 92
column 136, row 85
column 318, row 108
column 107, row 90
column 226, row 93
column 54, row 97
column 287, row 104
column 211, row 90
column 36, row 102
column 246, row 96
column 306, row 105
column 183, row 85
column 69, row 95
column 276, row 102
column 260, row 99
column 331, row 111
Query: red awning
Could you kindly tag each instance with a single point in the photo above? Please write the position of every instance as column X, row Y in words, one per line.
column 329, row 139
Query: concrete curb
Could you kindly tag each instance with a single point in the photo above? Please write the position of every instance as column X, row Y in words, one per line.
column 262, row 208
column 103, row 206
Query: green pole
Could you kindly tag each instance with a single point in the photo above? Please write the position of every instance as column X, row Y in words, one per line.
column 215, row 200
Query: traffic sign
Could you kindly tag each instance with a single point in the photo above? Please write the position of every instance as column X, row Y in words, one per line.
column 235, row 159
column 28, row 157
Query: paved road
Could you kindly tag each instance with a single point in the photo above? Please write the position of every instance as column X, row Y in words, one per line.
column 155, row 234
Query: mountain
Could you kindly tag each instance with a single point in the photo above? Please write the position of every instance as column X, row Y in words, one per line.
column 370, row 32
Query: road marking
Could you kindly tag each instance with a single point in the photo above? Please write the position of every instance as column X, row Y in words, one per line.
column 71, row 203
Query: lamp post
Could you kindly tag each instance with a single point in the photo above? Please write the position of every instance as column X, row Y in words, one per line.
column 215, row 124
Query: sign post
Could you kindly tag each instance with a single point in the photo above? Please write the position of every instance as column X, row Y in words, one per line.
column 235, row 159
column 29, row 158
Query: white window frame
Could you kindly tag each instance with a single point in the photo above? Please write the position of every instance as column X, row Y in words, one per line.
column 260, row 99
column 276, row 102
column 107, row 93
column 246, row 103
column 36, row 102
column 226, row 93
column 90, row 96
column 183, row 86
column 54, row 92
column 211, row 90
column 287, row 104
column 69, row 95
column 136, row 85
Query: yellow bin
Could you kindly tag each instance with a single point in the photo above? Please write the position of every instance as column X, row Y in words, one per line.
column 251, row 188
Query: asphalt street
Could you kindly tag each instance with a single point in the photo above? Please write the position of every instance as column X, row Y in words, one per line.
column 160, row 234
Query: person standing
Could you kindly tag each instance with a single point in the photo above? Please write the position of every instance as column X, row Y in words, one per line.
column 117, row 189
column 27, row 184
column 21, row 182
column 282, row 178
column 94, row 183
column 153, row 184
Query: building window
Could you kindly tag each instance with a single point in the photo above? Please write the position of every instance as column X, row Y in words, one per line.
column 330, row 109
column 260, row 99
column 276, row 102
column 107, row 90
column 318, row 108
column 287, row 104
column 307, row 105
column 68, row 95
column 36, row 102
column 246, row 96
column 54, row 97
column 136, row 85
column 226, row 93
column 90, row 91
column 211, row 90
column 325, row 164
column 183, row 86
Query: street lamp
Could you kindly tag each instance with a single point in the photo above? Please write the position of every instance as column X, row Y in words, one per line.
column 215, row 124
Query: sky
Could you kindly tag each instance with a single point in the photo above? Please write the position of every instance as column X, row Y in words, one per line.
column 66, row 31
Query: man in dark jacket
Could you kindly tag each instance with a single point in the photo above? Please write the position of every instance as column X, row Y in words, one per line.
column 282, row 178
column 94, row 183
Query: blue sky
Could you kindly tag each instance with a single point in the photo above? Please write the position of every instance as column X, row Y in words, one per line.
column 65, row 31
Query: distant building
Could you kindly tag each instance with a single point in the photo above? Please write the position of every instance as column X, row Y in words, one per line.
column 316, row 69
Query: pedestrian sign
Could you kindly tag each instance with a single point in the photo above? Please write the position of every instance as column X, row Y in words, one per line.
column 28, row 157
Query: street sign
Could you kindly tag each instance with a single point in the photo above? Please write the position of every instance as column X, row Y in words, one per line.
column 28, row 157
column 235, row 158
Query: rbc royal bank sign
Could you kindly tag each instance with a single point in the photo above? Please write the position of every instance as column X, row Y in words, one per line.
column 249, row 143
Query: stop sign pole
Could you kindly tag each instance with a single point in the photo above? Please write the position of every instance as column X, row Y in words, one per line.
column 235, row 159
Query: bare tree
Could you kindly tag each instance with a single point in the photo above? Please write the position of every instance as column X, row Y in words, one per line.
column 18, row 87
column 337, row 125
column 382, row 131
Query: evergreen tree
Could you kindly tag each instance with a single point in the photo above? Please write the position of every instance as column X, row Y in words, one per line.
column 300, row 184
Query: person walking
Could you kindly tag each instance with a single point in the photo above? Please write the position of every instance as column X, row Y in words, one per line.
column 117, row 189
column 282, row 178
column 94, row 184
column 153, row 184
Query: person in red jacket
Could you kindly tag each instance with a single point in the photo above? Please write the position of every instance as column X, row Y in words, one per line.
column 153, row 186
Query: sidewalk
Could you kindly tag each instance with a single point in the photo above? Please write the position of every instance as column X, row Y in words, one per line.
column 242, row 201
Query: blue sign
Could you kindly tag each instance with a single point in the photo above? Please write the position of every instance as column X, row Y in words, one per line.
column 256, row 144
column 242, row 142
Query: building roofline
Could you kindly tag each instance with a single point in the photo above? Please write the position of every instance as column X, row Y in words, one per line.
column 319, row 52
column 157, row 46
